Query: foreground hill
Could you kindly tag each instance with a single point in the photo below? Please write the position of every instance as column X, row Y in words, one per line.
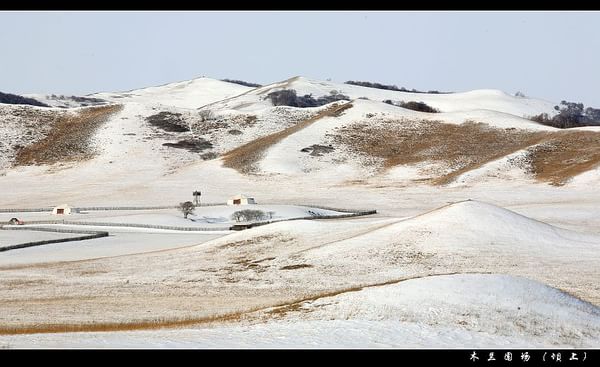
column 432, row 272
column 452, row 311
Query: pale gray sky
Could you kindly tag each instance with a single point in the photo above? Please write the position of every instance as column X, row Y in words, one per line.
column 549, row 55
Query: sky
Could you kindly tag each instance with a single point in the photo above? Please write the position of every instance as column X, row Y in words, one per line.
column 548, row 55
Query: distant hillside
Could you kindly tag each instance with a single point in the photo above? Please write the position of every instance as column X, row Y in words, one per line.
column 336, row 133
column 390, row 87
column 16, row 99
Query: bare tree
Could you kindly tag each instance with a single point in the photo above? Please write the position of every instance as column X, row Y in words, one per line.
column 248, row 215
column 186, row 208
column 206, row 115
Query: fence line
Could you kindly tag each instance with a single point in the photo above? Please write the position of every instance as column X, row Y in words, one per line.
column 201, row 229
column 338, row 209
column 90, row 235
column 98, row 208
column 131, row 225
column 255, row 224
column 349, row 213
column 47, row 229
column 25, row 210
column 150, row 226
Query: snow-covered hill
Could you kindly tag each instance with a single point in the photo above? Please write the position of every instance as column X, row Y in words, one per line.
column 426, row 270
column 480, row 138
column 493, row 100
column 188, row 94
column 455, row 311
column 433, row 280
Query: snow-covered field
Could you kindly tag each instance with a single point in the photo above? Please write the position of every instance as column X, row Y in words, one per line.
column 517, row 266
column 202, row 216
column 8, row 237
column 467, row 311
column 120, row 242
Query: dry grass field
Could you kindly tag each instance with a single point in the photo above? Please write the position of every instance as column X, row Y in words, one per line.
column 69, row 139
column 553, row 157
column 245, row 157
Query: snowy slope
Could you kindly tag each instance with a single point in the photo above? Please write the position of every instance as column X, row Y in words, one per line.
column 295, row 263
column 186, row 94
column 485, row 99
column 287, row 156
column 244, row 114
column 62, row 101
column 456, row 311
column 164, row 276
column 471, row 226
column 493, row 100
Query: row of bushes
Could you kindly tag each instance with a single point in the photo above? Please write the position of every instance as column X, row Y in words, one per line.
column 241, row 82
column 391, row 87
column 16, row 99
column 75, row 98
column 412, row 105
column 288, row 97
column 570, row 115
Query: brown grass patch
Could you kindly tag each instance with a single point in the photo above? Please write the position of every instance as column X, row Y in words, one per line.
column 119, row 326
column 283, row 310
column 69, row 139
column 244, row 158
column 554, row 157
column 20, row 283
column 295, row 266
column 279, row 309
column 249, row 241
column 565, row 155
column 92, row 272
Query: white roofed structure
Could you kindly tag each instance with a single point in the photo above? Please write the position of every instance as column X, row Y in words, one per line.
column 241, row 200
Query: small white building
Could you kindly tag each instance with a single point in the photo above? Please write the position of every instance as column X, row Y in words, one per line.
column 64, row 209
column 241, row 200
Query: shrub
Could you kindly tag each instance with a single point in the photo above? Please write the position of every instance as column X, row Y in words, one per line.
column 412, row 105
column 285, row 97
column 593, row 114
column 571, row 115
column 206, row 115
column 77, row 99
column 168, row 121
column 418, row 106
column 186, row 208
column 194, row 145
column 248, row 215
column 241, row 82
column 390, row 87
column 288, row 97
column 208, row 156
column 16, row 99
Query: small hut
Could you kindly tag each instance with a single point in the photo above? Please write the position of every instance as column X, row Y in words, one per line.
column 15, row 221
column 64, row 209
column 241, row 200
